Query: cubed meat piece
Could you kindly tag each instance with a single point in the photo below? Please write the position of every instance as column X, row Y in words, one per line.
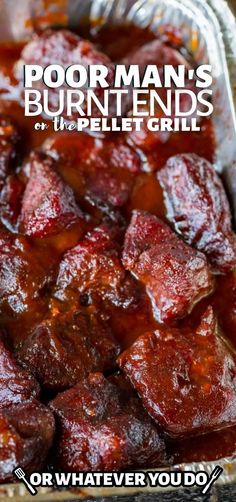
column 197, row 206
column 185, row 377
column 16, row 384
column 106, row 188
column 115, row 154
column 103, row 427
column 100, row 170
column 48, row 204
column 9, row 137
column 26, row 435
column 62, row 350
column 10, row 202
column 66, row 48
column 25, row 276
column 93, row 268
column 175, row 275
column 113, row 169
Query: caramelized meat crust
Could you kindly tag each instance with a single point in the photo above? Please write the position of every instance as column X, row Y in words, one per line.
column 175, row 275
column 26, row 436
column 100, row 170
column 16, row 384
column 186, row 378
column 93, row 268
column 85, row 292
column 48, row 204
column 26, row 425
column 63, row 349
column 102, row 426
column 197, row 206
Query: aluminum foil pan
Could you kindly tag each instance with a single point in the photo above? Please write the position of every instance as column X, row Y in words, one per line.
column 209, row 32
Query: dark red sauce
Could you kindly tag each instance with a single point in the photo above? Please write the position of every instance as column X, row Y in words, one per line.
column 145, row 193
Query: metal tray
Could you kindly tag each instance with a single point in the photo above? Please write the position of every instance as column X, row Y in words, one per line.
column 209, row 30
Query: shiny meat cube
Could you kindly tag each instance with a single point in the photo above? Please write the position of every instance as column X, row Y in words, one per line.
column 197, row 205
column 100, row 170
column 26, row 435
column 64, row 349
column 185, row 377
column 16, row 384
column 93, row 268
column 175, row 275
column 103, row 427
column 104, row 187
column 48, row 204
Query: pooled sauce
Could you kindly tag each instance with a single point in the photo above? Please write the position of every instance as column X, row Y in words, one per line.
column 144, row 193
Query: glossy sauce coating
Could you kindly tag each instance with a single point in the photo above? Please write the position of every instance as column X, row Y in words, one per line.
column 109, row 178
